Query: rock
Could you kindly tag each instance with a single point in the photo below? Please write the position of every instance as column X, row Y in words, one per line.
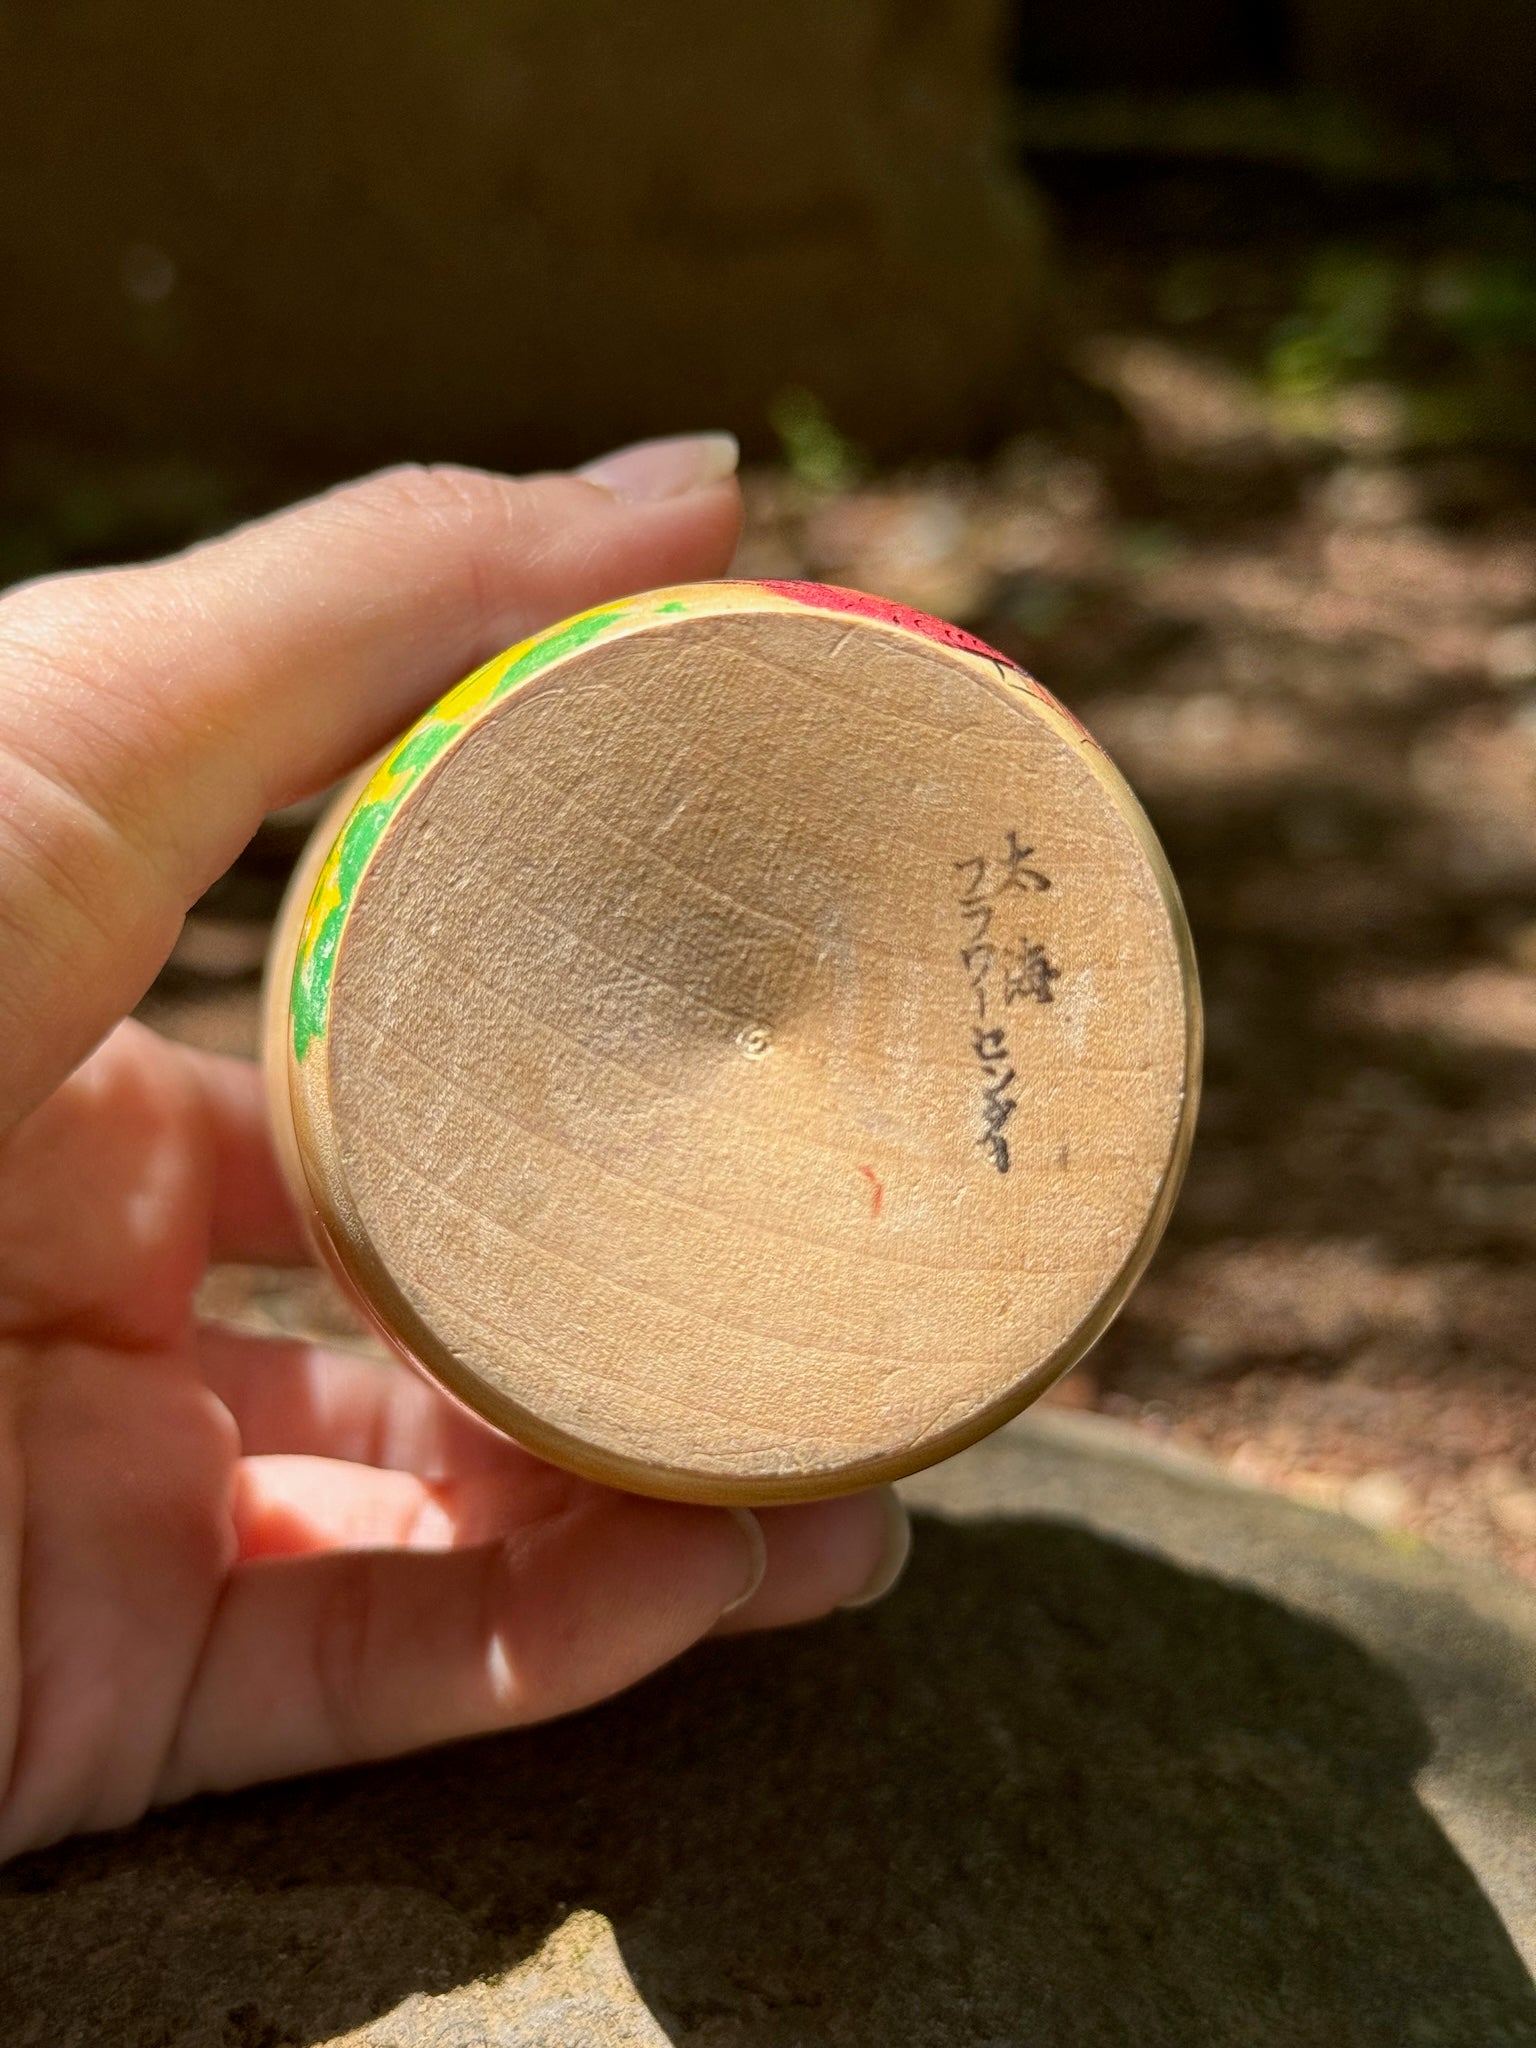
column 1133, row 1754
column 503, row 231
column 573, row 1989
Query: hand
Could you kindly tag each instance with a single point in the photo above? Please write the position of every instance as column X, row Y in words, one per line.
column 224, row 1558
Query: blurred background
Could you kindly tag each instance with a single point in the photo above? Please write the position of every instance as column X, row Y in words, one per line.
column 1187, row 353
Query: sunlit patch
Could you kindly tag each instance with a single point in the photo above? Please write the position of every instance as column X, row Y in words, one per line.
column 1493, row 1007
column 575, row 1987
column 1279, row 1297
column 1187, row 403
column 1210, row 739
column 500, row 1676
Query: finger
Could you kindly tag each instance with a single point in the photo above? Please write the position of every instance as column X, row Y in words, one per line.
column 252, row 1218
column 110, row 1186
column 312, row 1662
column 289, row 1396
column 292, row 1506
column 149, row 717
column 824, row 1554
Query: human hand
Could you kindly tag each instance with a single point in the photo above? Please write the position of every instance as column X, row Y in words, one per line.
column 225, row 1558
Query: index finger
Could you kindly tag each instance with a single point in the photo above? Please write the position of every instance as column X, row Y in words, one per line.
column 150, row 716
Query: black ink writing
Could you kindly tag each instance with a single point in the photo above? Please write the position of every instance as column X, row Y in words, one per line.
column 977, row 955
column 1029, row 974
column 991, row 1049
column 1017, row 875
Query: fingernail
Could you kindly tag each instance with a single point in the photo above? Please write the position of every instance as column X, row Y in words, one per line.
column 664, row 469
column 895, row 1550
column 757, row 1554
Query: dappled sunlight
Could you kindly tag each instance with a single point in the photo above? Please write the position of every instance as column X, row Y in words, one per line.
column 1205, row 740
column 1475, row 1006
column 1305, row 624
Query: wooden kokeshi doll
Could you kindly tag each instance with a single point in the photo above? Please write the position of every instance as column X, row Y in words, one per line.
column 743, row 1041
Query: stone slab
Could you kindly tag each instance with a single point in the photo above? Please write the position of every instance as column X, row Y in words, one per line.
column 1135, row 1755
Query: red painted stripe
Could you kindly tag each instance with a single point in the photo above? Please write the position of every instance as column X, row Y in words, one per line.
column 828, row 597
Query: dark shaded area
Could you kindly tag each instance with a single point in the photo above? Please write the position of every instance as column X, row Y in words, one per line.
column 1056, row 1792
column 1118, row 46
column 1425, row 280
column 501, row 232
column 239, row 266
column 1375, row 80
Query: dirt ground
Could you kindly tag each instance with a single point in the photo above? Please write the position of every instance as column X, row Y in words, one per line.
column 1285, row 570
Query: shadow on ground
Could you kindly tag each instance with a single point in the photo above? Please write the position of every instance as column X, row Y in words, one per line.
column 1056, row 1792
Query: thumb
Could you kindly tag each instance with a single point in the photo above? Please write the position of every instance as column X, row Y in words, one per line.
column 149, row 717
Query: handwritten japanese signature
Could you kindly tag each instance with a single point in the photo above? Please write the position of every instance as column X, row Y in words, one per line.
column 1003, row 965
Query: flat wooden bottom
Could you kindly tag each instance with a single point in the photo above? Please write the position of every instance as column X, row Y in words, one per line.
column 758, row 1055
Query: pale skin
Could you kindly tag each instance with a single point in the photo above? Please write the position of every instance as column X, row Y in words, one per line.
column 224, row 1558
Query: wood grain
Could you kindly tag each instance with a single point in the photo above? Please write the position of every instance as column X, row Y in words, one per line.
column 759, row 1050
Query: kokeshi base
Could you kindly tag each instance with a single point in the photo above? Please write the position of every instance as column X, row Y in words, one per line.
column 743, row 1041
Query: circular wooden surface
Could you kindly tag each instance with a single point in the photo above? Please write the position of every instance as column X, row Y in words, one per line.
column 743, row 1042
